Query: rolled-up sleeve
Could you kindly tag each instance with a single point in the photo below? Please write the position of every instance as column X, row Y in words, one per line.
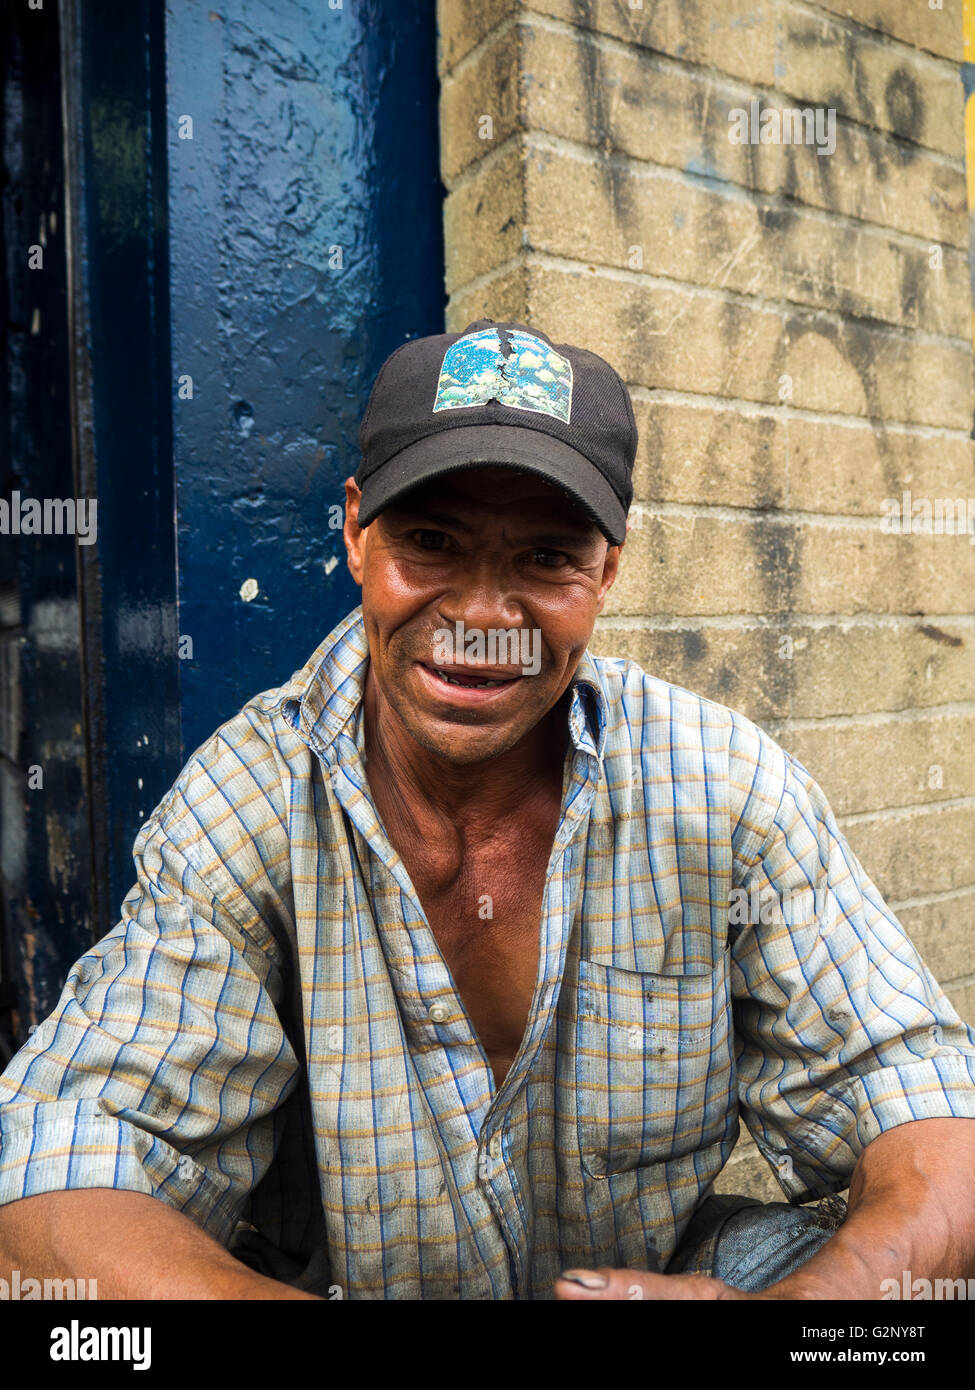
column 842, row 1031
column 164, row 1061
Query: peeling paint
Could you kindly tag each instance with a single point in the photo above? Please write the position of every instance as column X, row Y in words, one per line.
column 321, row 153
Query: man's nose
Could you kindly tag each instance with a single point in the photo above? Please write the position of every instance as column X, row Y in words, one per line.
column 483, row 596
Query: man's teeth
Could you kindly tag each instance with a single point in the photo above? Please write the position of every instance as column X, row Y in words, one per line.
column 470, row 685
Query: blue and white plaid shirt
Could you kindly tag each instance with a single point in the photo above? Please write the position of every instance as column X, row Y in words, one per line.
column 270, row 1040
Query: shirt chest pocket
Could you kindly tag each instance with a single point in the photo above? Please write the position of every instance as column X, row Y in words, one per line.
column 655, row 1065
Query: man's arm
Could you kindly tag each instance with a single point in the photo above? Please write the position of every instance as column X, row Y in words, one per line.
column 159, row 1075
column 911, row 1209
column 134, row 1245
column 851, row 1062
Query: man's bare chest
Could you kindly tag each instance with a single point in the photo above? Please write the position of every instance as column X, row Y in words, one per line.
column 486, row 924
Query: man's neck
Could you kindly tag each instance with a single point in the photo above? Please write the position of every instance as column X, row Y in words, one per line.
column 409, row 779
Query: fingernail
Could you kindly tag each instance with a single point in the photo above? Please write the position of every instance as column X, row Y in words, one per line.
column 588, row 1278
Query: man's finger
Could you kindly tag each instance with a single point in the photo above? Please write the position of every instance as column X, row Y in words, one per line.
column 635, row 1285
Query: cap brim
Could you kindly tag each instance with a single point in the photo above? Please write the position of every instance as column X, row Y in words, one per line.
column 473, row 446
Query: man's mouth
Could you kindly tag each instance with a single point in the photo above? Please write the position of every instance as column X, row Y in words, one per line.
column 471, row 679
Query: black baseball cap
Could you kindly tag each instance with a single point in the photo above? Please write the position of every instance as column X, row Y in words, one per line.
column 500, row 393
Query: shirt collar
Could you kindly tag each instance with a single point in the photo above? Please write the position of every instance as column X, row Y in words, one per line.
column 326, row 694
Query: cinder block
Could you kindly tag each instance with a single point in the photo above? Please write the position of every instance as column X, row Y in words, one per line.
column 699, row 564
column 461, row 27
column 851, row 367
column 738, row 37
column 870, row 80
column 504, row 297
column 485, row 222
column 482, row 107
column 627, row 103
column 798, row 669
column 944, row 933
column 710, row 453
column 852, row 468
column 897, row 762
column 936, row 30
column 715, row 453
column 670, row 338
column 792, row 371
column 911, row 854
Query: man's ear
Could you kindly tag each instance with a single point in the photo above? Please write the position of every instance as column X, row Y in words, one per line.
column 611, row 565
column 353, row 534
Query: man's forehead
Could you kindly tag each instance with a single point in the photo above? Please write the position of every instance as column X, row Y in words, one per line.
column 496, row 490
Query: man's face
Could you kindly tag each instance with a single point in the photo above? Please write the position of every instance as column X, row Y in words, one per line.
column 495, row 550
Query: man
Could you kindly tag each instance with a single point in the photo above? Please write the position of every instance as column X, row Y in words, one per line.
column 450, row 962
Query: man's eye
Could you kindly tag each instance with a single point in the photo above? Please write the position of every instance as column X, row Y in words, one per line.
column 430, row 540
column 548, row 559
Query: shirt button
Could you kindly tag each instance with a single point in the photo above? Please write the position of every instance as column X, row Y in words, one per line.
column 438, row 1012
column 494, row 1147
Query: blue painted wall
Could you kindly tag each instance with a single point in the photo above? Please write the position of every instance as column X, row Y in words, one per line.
column 305, row 244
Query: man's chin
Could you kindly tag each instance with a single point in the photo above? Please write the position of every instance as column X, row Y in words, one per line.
column 463, row 746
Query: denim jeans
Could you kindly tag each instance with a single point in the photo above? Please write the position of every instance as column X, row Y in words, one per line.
column 751, row 1244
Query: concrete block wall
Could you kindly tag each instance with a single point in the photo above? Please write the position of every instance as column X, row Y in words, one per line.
column 795, row 328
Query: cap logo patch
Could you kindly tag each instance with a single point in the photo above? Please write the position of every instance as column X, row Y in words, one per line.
column 523, row 373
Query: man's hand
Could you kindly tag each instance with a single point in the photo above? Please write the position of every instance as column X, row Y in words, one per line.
column 636, row 1285
column 911, row 1212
